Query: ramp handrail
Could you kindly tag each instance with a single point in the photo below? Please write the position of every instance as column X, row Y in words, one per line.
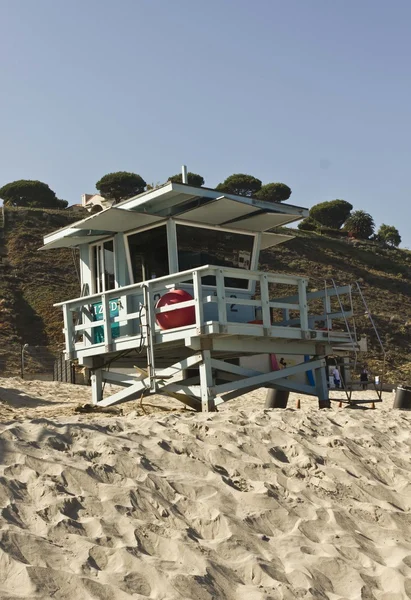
column 384, row 354
column 353, row 342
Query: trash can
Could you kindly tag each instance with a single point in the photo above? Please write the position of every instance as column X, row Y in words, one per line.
column 276, row 399
column 402, row 398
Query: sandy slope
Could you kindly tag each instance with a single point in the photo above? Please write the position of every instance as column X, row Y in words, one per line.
column 243, row 504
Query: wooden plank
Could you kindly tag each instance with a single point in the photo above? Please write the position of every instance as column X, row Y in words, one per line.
column 181, row 365
column 129, row 393
column 345, row 289
column 124, row 379
column 242, row 346
column 257, row 330
column 171, row 307
column 180, row 388
column 256, row 303
column 83, row 327
column 230, row 368
column 315, row 318
column 284, row 306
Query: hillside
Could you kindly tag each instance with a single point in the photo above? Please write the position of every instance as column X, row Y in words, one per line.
column 32, row 281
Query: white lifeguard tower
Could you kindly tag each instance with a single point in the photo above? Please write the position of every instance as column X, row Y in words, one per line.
column 240, row 319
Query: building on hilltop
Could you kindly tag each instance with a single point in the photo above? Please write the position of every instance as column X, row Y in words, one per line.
column 95, row 202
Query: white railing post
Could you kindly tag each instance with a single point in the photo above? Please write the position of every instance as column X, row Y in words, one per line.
column 68, row 331
column 97, row 386
column 221, row 303
column 150, row 308
column 302, row 300
column 265, row 302
column 198, row 297
column 206, row 381
column 172, row 247
column 105, row 302
column 86, row 319
column 286, row 314
column 150, row 334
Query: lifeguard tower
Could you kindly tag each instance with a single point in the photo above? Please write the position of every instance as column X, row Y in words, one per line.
column 173, row 303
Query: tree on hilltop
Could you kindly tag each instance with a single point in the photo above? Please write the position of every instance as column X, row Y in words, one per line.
column 308, row 224
column 240, row 184
column 360, row 225
column 31, row 194
column 389, row 234
column 193, row 179
column 120, row 186
column 331, row 214
column 274, row 192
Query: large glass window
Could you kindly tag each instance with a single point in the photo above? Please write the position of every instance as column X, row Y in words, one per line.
column 103, row 267
column 198, row 247
column 148, row 254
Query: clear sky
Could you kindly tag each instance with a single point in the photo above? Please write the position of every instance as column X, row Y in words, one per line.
column 314, row 93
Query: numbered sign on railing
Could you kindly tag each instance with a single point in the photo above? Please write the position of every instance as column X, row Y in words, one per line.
column 98, row 315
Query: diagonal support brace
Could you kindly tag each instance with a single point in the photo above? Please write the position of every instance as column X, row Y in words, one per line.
column 260, row 380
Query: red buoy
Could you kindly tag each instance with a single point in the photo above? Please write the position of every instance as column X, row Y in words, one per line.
column 179, row 317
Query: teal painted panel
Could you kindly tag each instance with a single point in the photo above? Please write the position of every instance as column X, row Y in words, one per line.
column 98, row 332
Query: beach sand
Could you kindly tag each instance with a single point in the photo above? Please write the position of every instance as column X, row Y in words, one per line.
column 158, row 502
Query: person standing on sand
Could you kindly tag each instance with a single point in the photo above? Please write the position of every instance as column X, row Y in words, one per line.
column 364, row 378
column 337, row 378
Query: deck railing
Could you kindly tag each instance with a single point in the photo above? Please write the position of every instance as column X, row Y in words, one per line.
column 117, row 311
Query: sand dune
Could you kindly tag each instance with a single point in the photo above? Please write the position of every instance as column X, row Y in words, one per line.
column 244, row 504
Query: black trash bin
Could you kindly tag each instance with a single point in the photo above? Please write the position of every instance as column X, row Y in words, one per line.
column 276, row 399
column 402, row 398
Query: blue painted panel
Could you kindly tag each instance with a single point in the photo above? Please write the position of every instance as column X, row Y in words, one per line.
column 310, row 374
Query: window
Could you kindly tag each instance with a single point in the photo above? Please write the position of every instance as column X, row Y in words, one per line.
column 199, row 246
column 102, row 258
column 148, row 254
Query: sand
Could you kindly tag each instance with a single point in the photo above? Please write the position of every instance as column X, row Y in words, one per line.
column 243, row 504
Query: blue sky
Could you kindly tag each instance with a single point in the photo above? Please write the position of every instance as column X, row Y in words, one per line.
column 314, row 93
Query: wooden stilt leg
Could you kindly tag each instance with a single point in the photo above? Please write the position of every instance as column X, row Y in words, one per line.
column 322, row 388
column 206, row 382
column 97, row 386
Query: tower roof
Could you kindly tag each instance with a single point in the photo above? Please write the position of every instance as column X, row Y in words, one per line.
column 196, row 205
